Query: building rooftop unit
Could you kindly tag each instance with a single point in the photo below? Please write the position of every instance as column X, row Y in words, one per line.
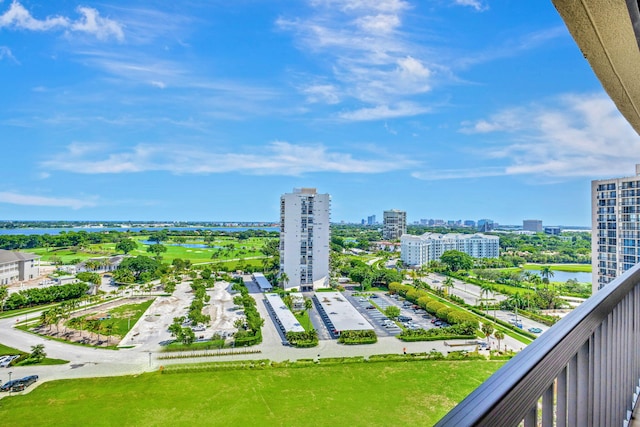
column 285, row 316
column 262, row 282
column 341, row 313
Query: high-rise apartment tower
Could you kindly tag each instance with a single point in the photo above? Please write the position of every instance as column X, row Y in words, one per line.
column 394, row 224
column 304, row 239
column 615, row 227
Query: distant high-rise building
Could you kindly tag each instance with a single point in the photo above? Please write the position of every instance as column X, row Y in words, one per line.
column 534, row 225
column 470, row 223
column 420, row 250
column 371, row 220
column 615, row 244
column 394, row 225
column 304, row 239
column 485, row 225
column 553, row 230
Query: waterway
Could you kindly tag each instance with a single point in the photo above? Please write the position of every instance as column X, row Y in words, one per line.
column 52, row 231
column 563, row 276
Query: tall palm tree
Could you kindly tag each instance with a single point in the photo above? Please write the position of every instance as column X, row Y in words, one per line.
column 449, row 284
column 283, row 279
column 499, row 336
column 486, row 289
column 546, row 273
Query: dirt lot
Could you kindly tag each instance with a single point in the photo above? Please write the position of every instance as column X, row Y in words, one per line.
column 222, row 312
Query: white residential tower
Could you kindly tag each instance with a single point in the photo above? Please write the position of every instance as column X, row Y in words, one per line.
column 304, row 239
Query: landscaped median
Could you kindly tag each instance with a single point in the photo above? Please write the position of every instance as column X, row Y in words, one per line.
column 463, row 324
column 358, row 337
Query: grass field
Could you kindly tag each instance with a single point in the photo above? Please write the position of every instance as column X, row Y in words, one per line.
column 371, row 394
column 572, row 268
column 222, row 249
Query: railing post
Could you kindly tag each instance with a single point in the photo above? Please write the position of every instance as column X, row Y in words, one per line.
column 547, row 406
column 561, row 399
column 582, row 382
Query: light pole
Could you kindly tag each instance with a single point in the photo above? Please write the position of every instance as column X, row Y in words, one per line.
column 10, row 382
column 149, row 359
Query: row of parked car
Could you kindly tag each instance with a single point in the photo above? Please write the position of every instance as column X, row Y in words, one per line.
column 19, row 384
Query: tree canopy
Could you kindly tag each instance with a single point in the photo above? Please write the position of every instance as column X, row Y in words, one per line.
column 457, row 260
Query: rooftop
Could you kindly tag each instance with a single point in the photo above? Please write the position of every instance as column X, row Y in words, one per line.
column 342, row 314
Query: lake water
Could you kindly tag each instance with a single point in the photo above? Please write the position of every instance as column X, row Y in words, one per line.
column 563, row 276
column 40, row 231
column 184, row 245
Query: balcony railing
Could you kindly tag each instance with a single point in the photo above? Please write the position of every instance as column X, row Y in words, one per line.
column 583, row 371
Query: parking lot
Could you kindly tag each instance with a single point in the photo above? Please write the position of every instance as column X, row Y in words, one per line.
column 382, row 325
column 412, row 316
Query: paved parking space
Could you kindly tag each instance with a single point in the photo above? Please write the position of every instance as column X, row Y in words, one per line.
column 419, row 317
column 378, row 319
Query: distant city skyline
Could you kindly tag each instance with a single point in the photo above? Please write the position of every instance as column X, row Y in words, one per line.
column 208, row 111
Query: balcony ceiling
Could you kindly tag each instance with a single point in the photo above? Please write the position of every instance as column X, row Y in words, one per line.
column 604, row 32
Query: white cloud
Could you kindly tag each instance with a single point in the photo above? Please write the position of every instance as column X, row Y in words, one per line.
column 405, row 109
column 386, row 6
column 31, row 200
column 18, row 17
column 5, row 53
column 277, row 158
column 442, row 174
column 90, row 22
column 326, row 93
column 93, row 23
column 476, row 4
column 569, row 136
column 378, row 23
column 371, row 60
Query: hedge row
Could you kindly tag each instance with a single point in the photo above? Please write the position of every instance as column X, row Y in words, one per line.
column 208, row 354
column 413, row 338
column 358, row 337
column 451, row 315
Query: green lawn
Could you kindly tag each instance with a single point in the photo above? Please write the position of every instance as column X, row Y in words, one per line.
column 10, row 351
column 584, row 268
column 223, row 249
column 373, row 394
column 304, row 320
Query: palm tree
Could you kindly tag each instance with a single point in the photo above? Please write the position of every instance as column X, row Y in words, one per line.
column 546, row 273
column 517, row 302
column 486, row 289
column 109, row 330
column 498, row 336
column 449, row 284
column 487, row 330
column 283, row 279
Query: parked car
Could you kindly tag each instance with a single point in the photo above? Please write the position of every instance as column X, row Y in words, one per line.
column 8, row 385
column 19, row 386
column 27, row 381
column 374, row 296
column 402, row 318
column 370, row 307
column 535, row 330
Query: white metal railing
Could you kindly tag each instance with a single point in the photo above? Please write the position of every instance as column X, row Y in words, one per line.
column 583, row 371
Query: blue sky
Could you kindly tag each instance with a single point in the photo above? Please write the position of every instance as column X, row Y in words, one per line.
column 210, row 110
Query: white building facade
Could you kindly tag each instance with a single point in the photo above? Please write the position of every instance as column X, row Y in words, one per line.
column 304, row 239
column 420, row 250
column 615, row 222
column 394, row 224
column 18, row 266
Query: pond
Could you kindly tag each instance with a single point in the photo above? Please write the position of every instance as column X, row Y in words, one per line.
column 563, row 276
